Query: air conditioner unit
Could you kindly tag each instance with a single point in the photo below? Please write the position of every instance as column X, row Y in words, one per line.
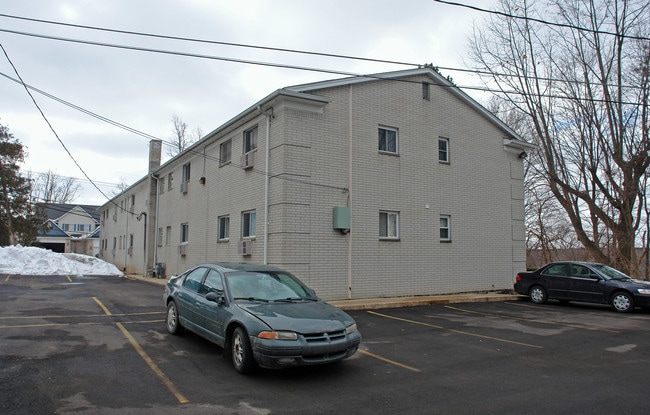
column 247, row 160
column 182, row 249
column 184, row 187
column 245, row 247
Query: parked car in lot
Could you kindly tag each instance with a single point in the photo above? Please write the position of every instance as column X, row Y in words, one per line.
column 260, row 315
column 584, row 281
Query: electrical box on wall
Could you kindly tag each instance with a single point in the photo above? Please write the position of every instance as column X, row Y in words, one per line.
column 342, row 218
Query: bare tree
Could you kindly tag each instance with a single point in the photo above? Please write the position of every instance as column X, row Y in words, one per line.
column 52, row 188
column 180, row 139
column 584, row 85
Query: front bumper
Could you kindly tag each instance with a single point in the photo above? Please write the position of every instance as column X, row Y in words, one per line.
column 307, row 350
column 642, row 300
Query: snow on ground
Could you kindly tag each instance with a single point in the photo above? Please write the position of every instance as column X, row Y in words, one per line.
column 37, row 261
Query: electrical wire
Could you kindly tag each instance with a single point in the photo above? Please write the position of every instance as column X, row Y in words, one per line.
column 545, row 22
column 49, row 124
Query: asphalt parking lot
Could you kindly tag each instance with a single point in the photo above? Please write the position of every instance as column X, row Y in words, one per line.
column 97, row 345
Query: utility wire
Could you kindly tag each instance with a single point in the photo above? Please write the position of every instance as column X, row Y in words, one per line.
column 295, row 51
column 545, row 22
column 286, row 66
column 48, row 122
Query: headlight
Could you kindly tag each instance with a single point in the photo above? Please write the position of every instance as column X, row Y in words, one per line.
column 278, row 335
column 644, row 291
column 351, row 328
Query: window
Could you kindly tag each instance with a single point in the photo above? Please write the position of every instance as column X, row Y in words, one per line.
column 212, row 283
column 387, row 140
column 443, row 150
column 225, row 152
column 445, row 228
column 132, row 200
column 186, row 172
column 426, row 91
column 131, row 240
column 170, row 181
column 160, row 236
column 388, row 225
column 161, row 185
column 168, row 235
column 248, row 224
column 250, row 139
column 193, row 280
column 185, row 232
column 224, row 228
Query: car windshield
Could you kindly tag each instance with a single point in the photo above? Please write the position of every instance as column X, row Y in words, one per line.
column 267, row 287
column 610, row 273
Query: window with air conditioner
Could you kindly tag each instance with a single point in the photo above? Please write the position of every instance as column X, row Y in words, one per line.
column 248, row 224
column 250, row 139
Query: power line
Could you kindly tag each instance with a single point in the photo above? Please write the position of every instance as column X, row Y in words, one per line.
column 287, row 50
column 295, row 67
column 48, row 122
column 545, row 22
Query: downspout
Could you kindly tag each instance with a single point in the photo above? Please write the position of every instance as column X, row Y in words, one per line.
column 266, row 182
column 155, row 238
column 350, row 191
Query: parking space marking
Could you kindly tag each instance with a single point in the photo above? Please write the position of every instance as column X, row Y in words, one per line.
column 148, row 360
column 392, row 362
column 466, row 333
column 550, row 323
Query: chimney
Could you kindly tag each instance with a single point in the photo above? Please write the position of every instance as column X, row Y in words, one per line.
column 155, row 153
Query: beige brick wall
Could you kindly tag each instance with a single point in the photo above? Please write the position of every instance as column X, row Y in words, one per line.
column 481, row 190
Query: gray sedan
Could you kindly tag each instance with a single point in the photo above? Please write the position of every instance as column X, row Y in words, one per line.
column 260, row 315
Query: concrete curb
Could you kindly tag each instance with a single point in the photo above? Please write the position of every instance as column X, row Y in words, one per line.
column 392, row 302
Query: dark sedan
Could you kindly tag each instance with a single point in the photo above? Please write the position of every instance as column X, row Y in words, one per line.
column 260, row 315
column 586, row 282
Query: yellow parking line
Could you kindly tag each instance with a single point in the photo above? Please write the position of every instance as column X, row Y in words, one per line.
column 7, row 279
column 466, row 333
column 392, row 362
column 148, row 360
column 69, row 279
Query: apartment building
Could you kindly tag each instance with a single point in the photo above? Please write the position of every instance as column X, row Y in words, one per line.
column 393, row 184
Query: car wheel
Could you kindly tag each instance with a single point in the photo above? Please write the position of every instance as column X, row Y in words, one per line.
column 241, row 352
column 622, row 302
column 171, row 321
column 537, row 294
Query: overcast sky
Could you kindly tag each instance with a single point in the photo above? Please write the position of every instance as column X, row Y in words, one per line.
column 144, row 90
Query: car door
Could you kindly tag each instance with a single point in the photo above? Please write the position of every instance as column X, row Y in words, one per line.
column 187, row 298
column 214, row 314
column 556, row 279
column 586, row 285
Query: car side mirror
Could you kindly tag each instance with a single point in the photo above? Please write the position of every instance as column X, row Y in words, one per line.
column 216, row 298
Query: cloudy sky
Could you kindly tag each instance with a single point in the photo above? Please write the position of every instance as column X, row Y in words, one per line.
column 144, row 90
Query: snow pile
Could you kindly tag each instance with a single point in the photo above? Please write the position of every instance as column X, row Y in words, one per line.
column 37, row 261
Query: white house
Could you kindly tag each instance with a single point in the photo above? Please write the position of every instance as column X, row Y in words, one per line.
column 393, row 184
column 70, row 228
